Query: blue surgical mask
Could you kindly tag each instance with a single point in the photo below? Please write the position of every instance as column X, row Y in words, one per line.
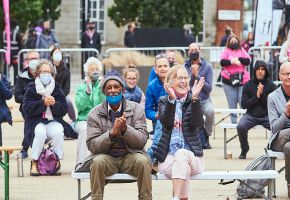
column 45, row 78
column 57, row 56
column 32, row 64
column 114, row 100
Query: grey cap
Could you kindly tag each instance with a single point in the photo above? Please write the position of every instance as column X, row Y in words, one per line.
column 112, row 75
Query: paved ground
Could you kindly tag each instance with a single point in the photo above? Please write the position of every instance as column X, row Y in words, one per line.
column 65, row 188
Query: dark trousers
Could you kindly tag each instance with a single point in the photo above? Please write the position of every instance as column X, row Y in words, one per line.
column 282, row 143
column 245, row 124
column 0, row 135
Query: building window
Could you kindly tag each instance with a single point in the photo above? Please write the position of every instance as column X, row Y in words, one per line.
column 94, row 10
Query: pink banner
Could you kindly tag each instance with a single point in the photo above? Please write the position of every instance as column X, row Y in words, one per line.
column 7, row 30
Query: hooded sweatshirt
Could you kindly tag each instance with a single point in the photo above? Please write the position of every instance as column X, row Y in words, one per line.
column 257, row 107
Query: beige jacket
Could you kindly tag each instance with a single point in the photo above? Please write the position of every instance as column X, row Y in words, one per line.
column 100, row 125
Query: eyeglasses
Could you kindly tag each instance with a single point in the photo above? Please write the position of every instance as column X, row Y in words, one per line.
column 180, row 78
column 131, row 79
column 285, row 74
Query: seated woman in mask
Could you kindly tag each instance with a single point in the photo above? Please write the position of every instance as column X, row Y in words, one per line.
column 179, row 151
column 63, row 78
column 44, row 106
column 88, row 96
column 132, row 91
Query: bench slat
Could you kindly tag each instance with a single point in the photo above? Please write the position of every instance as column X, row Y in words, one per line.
column 233, row 126
column 210, row 175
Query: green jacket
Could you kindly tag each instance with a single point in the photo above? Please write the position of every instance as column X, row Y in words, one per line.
column 85, row 102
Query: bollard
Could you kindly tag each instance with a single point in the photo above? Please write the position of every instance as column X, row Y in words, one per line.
column 19, row 165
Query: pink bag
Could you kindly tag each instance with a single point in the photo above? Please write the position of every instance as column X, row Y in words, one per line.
column 47, row 162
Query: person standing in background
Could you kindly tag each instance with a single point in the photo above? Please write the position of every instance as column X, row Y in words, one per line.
column 90, row 39
column 129, row 38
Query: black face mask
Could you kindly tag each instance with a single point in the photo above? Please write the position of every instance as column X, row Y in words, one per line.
column 46, row 31
column 234, row 46
column 171, row 64
column 91, row 28
column 194, row 56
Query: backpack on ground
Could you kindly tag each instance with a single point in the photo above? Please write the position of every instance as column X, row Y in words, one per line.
column 254, row 188
column 48, row 162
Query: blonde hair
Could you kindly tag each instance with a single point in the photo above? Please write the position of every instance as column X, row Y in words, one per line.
column 172, row 73
column 131, row 68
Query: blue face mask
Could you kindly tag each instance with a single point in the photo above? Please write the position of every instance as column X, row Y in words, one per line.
column 114, row 100
column 45, row 78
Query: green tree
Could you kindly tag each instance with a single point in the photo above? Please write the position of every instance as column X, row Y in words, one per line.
column 26, row 12
column 158, row 13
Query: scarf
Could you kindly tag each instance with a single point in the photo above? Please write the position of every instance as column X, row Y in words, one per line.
column 180, row 96
column 90, row 34
column 44, row 92
column 133, row 94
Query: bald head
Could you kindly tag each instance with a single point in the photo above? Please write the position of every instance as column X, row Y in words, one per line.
column 284, row 67
column 284, row 75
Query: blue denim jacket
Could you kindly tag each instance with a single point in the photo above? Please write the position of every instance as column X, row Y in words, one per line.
column 205, row 70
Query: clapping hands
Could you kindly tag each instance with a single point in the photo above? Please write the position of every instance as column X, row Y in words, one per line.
column 197, row 87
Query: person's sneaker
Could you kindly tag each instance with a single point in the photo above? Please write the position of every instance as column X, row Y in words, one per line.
column 33, row 168
column 243, row 155
column 24, row 154
column 154, row 167
column 58, row 173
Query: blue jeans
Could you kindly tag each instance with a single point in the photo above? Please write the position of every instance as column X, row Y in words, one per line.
column 156, row 138
column 234, row 96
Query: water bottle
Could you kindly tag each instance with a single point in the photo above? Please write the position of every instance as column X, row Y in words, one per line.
column 19, row 165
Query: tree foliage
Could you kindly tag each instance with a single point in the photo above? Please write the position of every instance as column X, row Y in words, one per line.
column 158, row 13
column 26, row 12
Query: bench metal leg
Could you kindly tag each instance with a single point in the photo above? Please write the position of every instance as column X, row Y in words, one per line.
column 222, row 119
column 225, row 143
column 270, row 188
column 79, row 189
column 5, row 166
column 273, row 160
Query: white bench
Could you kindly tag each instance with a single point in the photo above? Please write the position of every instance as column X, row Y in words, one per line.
column 234, row 126
column 271, row 175
column 228, row 112
column 275, row 155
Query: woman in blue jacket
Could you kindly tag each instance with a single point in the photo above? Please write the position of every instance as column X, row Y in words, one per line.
column 5, row 115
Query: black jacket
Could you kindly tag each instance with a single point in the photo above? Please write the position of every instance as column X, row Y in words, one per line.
column 22, row 82
column 257, row 107
column 129, row 39
column 95, row 42
column 63, row 78
column 192, row 120
column 33, row 106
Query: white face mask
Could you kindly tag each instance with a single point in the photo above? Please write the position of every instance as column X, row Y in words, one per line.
column 32, row 64
column 57, row 57
column 45, row 78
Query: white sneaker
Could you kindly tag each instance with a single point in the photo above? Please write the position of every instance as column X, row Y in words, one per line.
column 175, row 198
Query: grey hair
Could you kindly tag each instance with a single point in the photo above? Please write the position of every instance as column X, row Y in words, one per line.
column 92, row 60
column 44, row 62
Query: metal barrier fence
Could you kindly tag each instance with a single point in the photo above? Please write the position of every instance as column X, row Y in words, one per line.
column 270, row 54
column 149, row 51
column 74, row 58
column 2, row 62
